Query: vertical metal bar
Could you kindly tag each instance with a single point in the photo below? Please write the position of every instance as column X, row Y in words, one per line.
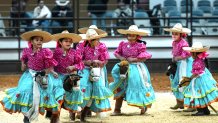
column 18, row 28
column 77, row 16
column 132, row 12
column 191, row 22
column 73, row 12
column 187, row 7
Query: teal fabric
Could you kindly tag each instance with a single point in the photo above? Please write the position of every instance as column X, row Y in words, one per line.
column 20, row 98
column 203, row 93
column 133, row 89
column 175, row 81
column 99, row 91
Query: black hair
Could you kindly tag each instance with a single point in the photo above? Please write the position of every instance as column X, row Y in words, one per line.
column 61, row 39
column 74, row 45
column 31, row 38
column 140, row 41
column 86, row 43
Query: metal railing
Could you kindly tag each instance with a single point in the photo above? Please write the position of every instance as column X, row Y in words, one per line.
column 82, row 21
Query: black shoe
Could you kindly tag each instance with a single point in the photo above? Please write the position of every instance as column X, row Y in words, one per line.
column 143, row 110
column 55, row 119
column 89, row 113
column 198, row 114
column 48, row 114
column 206, row 111
column 84, row 113
column 72, row 116
column 26, row 120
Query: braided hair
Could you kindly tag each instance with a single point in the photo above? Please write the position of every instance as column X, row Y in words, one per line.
column 139, row 40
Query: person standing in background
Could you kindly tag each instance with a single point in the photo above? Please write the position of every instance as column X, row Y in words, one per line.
column 41, row 11
column 62, row 10
column 97, row 9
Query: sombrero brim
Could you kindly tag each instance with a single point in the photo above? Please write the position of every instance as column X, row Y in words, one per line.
column 96, row 37
column 84, row 30
column 140, row 32
column 45, row 35
column 75, row 38
column 184, row 30
column 61, row 3
column 191, row 49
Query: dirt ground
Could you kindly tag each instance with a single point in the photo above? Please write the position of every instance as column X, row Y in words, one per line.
column 158, row 113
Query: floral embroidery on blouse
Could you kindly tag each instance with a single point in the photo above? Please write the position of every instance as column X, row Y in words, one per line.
column 39, row 60
column 177, row 49
column 135, row 50
column 198, row 66
column 100, row 52
column 72, row 58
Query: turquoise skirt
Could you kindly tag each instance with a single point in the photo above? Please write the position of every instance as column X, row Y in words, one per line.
column 135, row 90
column 175, row 81
column 98, row 92
column 72, row 99
column 20, row 98
column 201, row 92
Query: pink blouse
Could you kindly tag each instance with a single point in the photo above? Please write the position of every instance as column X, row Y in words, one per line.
column 177, row 49
column 198, row 66
column 135, row 50
column 100, row 52
column 72, row 58
column 40, row 60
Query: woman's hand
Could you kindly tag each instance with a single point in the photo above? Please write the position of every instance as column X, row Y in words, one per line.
column 55, row 74
column 23, row 67
column 122, row 58
column 99, row 63
column 70, row 69
column 89, row 14
column 88, row 62
column 194, row 76
column 130, row 59
column 177, row 58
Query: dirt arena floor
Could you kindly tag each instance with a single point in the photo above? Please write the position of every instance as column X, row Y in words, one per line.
column 158, row 113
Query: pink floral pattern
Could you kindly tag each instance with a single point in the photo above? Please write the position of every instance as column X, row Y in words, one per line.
column 198, row 66
column 72, row 58
column 134, row 50
column 100, row 52
column 40, row 60
column 177, row 49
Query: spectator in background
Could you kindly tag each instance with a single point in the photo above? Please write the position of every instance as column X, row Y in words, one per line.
column 18, row 10
column 41, row 11
column 132, row 3
column 123, row 12
column 97, row 9
column 61, row 10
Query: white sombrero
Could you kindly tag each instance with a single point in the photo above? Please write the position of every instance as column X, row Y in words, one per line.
column 84, row 30
column 178, row 28
column 133, row 29
column 62, row 2
column 45, row 35
column 196, row 47
column 92, row 34
column 65, row 34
